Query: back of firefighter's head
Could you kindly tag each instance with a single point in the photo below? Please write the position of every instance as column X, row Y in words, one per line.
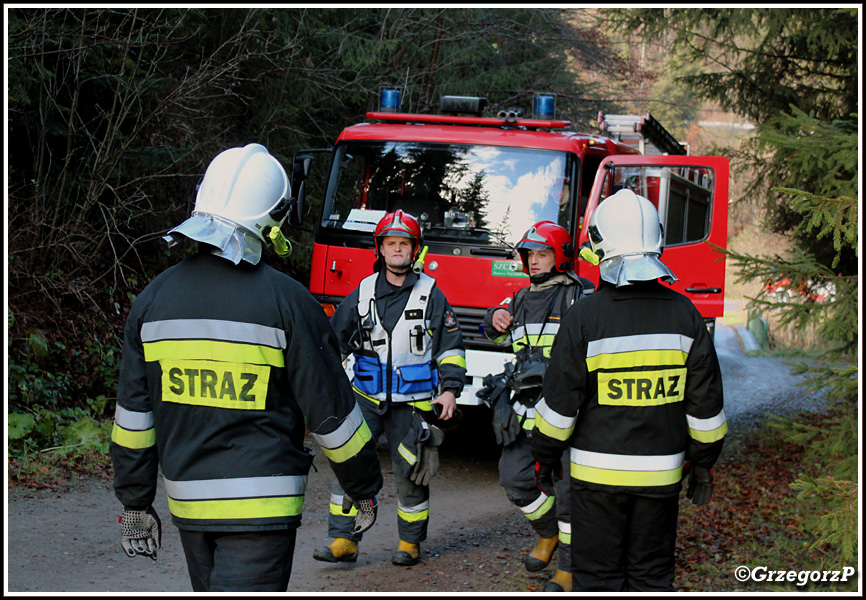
column 397, row 224
column 246, row 186
column 546, row 235
column 626, row 235
column 242, row 200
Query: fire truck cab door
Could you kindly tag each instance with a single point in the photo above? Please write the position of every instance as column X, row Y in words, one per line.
column 691, row 195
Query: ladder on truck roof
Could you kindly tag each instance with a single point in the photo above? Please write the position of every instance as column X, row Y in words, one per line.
column 642, row 130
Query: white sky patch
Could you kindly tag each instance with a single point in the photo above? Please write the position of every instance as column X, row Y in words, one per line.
column 526, row 194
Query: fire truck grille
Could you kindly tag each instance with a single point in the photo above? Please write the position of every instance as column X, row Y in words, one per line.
column 470, row 323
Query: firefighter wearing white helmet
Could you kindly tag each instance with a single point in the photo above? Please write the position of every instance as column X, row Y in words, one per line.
column 634, row 389
column 227, row 363
column 241, row 203
column 626, row 235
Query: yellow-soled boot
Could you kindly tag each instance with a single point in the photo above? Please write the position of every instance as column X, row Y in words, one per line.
column 340, row 550
column 560, row 582
column 406, row 555
column 540, row 556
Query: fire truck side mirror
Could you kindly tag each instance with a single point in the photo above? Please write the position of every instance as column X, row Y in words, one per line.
column 300, row 170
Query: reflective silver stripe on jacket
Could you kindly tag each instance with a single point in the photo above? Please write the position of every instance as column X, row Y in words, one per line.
column 132, row 420
column 627, row 462
column 707, row 424
column 535, row 329
column 213, row 329
column 238, row 487
column 521, row 410
column 553, row 418
column 451, row 353
column 632, row 343
column 343, row 433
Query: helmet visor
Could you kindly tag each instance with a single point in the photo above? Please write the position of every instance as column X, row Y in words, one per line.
column 527, row 245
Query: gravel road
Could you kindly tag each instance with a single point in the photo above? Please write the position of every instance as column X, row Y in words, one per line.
column 67, row 540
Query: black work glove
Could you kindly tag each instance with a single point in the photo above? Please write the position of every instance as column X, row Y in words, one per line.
column 493, row 387
column 506, row 424
column 367, row 511
column 428, row 457
column 140, row 532
column 410, row 446
column 546, row 476
column 700, row 485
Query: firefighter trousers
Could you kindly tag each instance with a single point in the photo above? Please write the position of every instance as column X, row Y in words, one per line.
column 413, row 511
column 239, row 561
column 622, row 542
column 547, row 516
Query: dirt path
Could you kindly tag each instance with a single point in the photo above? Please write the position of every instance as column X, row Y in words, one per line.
column 67, row 541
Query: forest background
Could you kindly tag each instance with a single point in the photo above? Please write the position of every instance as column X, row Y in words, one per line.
column 114, row 113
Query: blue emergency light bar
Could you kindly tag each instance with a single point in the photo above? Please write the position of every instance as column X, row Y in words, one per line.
column 389, row 101
column 543, row 107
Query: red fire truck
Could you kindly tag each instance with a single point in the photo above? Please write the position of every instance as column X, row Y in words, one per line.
column 477, row 182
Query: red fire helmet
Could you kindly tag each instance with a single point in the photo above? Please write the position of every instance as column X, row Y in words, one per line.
column 548, row 235
column 398, row 223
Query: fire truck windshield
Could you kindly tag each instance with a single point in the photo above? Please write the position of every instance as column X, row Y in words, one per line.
column 487, row 195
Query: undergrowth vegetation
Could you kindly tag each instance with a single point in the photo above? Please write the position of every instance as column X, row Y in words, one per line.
column 768, row 507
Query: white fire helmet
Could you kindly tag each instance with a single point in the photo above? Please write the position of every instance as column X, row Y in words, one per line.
column 240, row 190
column 626, row 235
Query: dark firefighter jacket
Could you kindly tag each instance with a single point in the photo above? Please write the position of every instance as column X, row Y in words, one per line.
column 634, row 385
column 537, row 313
column 446, row 338
column 223, row 368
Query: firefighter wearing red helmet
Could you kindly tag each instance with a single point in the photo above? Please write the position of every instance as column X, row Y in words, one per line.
column 530, row 323
column 409, row 368
column 634, row 391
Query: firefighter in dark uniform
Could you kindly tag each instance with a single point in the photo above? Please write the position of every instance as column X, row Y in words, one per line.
column 226, row 361
column 530, row 323
column 634, row 388
column 409, row 368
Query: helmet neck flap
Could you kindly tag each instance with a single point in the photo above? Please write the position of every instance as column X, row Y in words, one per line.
column 230, row 241
column 240, row 201
column 626, row 235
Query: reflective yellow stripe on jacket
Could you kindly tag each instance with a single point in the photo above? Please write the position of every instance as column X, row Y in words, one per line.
column 133, row 429
column 347, row 440
column 237, row 498
column 648, row 350
column 626, row 470
column 535, row 335
column 551, row 423
column 708, row 430
column 210, row 339
column 452, row 357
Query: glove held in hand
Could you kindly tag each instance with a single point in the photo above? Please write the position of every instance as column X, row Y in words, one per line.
column 428, row 458
column 140, row 532
column 367, row 510
column 506, row 425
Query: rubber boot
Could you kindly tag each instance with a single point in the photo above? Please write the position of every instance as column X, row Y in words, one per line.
column 340, row 550
column 540, row 556
column 407, row 554
column 560, row 582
